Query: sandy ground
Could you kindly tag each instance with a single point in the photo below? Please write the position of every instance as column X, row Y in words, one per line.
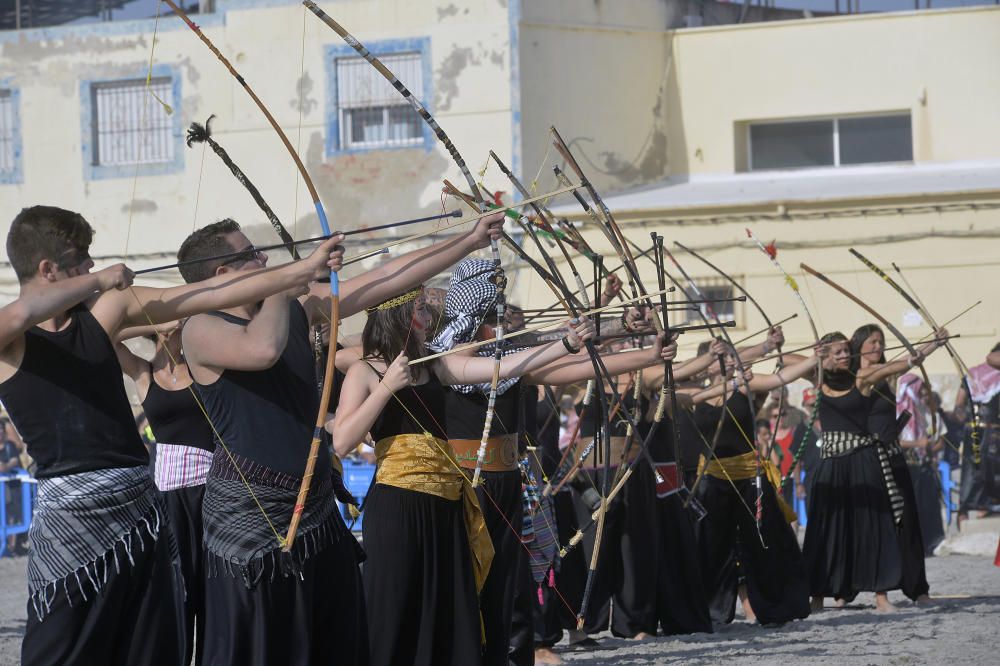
column 962, row 628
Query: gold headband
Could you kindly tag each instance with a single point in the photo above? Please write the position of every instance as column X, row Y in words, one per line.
column 397, row 300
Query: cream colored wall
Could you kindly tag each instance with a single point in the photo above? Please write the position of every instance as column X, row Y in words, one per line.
column 941, row 65
column 471, row 65
column 715, row 78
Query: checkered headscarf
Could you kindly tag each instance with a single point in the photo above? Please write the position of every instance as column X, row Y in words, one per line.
column 471, row 297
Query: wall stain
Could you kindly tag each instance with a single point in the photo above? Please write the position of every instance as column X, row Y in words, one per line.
column 303, row 102
column 447, row 75
column 445, row 12
column 140, row 206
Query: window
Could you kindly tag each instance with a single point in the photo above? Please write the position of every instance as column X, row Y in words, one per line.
column 372, row 113
column 364, row 111
column 129, row 127
column 8, row 134
column 830, row 142
column 713, row 288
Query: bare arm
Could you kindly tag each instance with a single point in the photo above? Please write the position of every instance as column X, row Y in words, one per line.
column 362, row 398
column 993, row 359
column 55, row 298
column 217, row 344
column 786, row 375
column 579, row 367
column 148, row 305
column 403, row 273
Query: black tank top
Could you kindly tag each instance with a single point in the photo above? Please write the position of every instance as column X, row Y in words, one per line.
column 466, row 413
column 542, row 425
column 619, row 424
column 268, row 415
column 176, row 418
column 692, row 444
column 414, row 410
column 67, row 399
column 734, row 435
column 882, row 416
column 661, row 446
column 846, row 413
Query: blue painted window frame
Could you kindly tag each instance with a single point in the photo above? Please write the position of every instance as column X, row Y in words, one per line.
column 93, row 171
column 14, row 176
column 421, row 45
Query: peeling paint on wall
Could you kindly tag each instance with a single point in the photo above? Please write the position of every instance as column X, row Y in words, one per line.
column 139, row 206
column 445, row 12
column 303, row 103
column 447, row 75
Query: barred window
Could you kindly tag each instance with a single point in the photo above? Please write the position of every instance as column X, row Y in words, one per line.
column 371, row 113
column 8, row 131
column 129, row 125
column 713, row 288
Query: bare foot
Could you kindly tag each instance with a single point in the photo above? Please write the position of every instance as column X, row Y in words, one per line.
column 839, row 603
column 923, row 600
column 745, row 600
column 547, row 656
column 882, row 604
column 816, row 604
column 641, row 636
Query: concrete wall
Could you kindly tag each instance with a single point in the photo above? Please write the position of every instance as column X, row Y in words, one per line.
column 940, row 65
column 677, row 114
column 468, row 56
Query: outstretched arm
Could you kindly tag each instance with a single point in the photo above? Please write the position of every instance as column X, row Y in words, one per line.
column 579, row 367
column 403, row 273
column 455, row 369
column 55, row 298
column 155, row 306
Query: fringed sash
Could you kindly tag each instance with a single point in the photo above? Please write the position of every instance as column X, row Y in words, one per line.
column 426, row 464
column 241, row 542
column 79, row 521
column 838, row 443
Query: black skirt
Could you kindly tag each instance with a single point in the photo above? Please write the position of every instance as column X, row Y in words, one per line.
column 557, row 612
column 418, row 581
column 135, row 619
column 503, row 511
column 913, row 582
column 681, row 601
column 927, row 490
column 635, row 600
column 609, row 574
column 852, row 543
column 318, row 618
column 731, row 547
column 184, row 509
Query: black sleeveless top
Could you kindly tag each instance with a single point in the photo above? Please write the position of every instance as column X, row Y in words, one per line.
column 692, row 444
column 542, row 424
column 465, row 413
column 734, row 435
column 269, row 415
column 413, row 410
column 176, row 418
column 846, row 413
column 619, row 424
column 68, row 401
column 882, row 415
column 661, row 446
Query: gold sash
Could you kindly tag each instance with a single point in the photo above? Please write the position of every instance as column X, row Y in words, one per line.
column 743, row 467
column 426, row 464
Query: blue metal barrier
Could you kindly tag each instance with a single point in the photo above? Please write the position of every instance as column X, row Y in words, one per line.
column 944, row 469
column 800, row 503
column 23, row 522
column 357, row 477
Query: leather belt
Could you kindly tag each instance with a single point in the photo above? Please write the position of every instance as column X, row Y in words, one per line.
column 501, row 453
